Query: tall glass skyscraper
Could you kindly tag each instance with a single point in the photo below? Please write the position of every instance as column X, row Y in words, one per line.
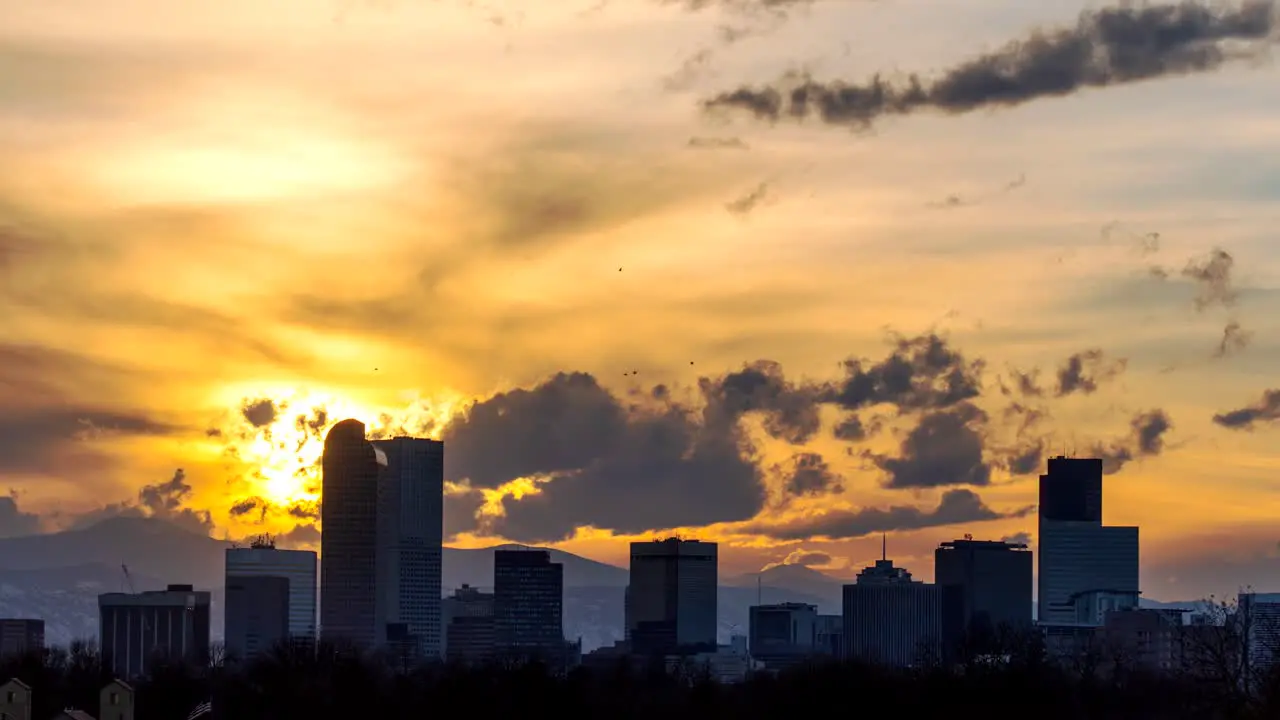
column 1080, row 557
column 410, row 539
column 381, row 541
column 349, row 537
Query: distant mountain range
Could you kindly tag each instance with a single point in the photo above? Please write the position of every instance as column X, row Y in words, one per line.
column 59, row 576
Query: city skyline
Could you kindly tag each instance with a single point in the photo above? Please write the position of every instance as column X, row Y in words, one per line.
column 214, row 248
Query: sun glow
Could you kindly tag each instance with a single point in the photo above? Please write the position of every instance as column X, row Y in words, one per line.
column 277, row 435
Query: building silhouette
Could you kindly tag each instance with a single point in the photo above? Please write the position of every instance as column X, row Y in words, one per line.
column 1085, row 567
column 784, row 634
column 528, row 606
column 137, row 628
column 672, row 597
column 20, row 636
column 410, row 540
column 891, row 619
column 992, row 583
column 469, row 629
column 349, row 540
column 271, row 598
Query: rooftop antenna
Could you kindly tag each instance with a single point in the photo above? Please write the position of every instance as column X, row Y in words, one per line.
column 884, row 546
column 759, row 589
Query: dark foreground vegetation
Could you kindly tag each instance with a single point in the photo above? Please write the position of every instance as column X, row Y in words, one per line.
column 298, row 685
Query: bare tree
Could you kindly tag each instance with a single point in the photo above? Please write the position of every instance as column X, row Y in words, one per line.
column 1230, row 650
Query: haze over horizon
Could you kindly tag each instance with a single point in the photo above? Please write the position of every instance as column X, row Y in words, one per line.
column 783, row 275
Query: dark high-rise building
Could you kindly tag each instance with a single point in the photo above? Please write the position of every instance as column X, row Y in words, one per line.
column 784, row 634
column 134, row 629
column 1080, row 559
column 19, row 636
column 257, row 615
column 993, row 582
column 1072, row 490
column 349, row 539
column 891, row 619
column 672, row 597
column 263, row 582
column 410, row 542
column 528, row 605
column 468, row 623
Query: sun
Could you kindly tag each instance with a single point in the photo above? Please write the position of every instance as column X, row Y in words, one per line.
column 280, row 446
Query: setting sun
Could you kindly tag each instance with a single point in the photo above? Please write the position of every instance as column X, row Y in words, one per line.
column 278, row 434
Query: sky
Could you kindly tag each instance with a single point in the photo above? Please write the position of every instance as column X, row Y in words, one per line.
column 786, row 275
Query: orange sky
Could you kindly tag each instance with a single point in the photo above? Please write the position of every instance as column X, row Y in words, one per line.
column 395, row 209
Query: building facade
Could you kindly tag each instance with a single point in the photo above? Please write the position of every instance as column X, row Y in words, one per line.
column 993, row 584
column 1077, row 553
column 135, row 628
column 351, row 468
column 528, row 605
column 672, row 597
column 253, row 605
column 19, row 636
column 410, row 543
column 783, row 634
column 469, row 629
column 891, row 619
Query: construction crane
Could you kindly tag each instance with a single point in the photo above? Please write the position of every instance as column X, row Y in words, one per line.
column 127, row 580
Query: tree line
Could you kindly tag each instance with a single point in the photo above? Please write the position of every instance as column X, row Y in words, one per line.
column 994, row 677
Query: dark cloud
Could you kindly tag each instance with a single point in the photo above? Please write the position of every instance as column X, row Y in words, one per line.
column 1107, row 47
column 809, row 474
column 564, row 424
column 13, row 521
column 718, row 143
column 1083, row 371
column 259, row 413
column 164, row 501
column 790, row 410
column 460, row 510
column 248, row 505
column 665, row 470
column 304, row 510
column 1022, row 538
column 305, row 535
column 1024, row 383
column 956, row 507
column 920, row 373
column 1267, row 409
column 1213, row 276
column 944, row 449
column 750, row 201
column 852, row 429
column 1234, row 339
column 1145, row 439
column 1026, row 459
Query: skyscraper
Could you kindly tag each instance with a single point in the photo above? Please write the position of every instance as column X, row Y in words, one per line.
column 381, row 541
column 672, row 597
column 1079, row 557
column 18, row 636
column 528, row 605
column 410, row 540
column 891, row 619
column 993, row 581
column 349, row 539
column 271, row 597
